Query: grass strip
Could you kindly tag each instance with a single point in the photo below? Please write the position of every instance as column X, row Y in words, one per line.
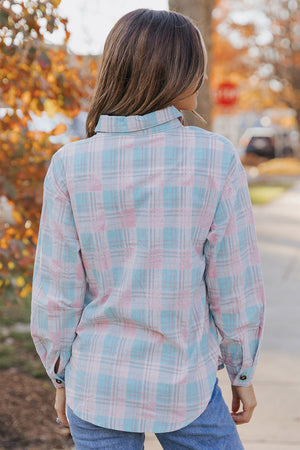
column 261, row 194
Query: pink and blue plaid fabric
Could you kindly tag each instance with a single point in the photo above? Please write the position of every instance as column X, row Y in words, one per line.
column 147, row 275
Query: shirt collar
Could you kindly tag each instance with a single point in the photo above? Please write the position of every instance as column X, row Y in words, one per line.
column 123, row 124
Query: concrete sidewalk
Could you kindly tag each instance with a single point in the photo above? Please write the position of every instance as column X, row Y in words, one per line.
column 276, row 421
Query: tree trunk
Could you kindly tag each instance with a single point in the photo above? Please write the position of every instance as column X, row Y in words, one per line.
column 200, row 11
column 297, row 149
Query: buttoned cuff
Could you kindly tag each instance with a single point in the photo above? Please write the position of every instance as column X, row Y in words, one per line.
column 242, row 378
column 57, row 375
column 58, row 381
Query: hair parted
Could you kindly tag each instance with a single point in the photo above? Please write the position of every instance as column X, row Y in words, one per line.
column 150, row 57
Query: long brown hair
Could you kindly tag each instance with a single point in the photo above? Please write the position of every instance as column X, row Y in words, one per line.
column 149, row 58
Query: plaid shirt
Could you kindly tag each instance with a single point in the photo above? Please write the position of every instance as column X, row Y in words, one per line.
column 147, row 275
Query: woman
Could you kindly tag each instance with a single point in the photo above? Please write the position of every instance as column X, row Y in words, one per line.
column 147, row 276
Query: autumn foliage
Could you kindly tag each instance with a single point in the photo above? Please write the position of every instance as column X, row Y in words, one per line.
column 262, row 60
column 34, row 78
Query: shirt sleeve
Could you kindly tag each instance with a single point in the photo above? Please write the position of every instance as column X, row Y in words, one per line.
column 233, row 277
column 58, row 287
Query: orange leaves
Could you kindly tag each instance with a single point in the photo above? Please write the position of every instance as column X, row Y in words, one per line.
column 11, row 97
column 14, row 137
column 61, row 128
column 93, row 67
column 26, row 291
column 246, row 30
column 11, row 231
column 3, row 244
column 36, row 106
column 51, row 78
column 26, row 97
column 68, row 34
column 74, row 112
column 55, row 3
column 29, row 232
column 23, row 66
column 60, row 68
column 35, row 138
column 50, row 106
column 34, row 78
column 17, row 216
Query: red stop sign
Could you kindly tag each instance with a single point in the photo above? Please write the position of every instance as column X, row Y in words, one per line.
column 226, row 94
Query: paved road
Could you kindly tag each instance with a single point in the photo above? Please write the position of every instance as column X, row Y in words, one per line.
column 276, row 421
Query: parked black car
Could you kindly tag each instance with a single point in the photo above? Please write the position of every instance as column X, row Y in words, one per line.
column 267, row 142
column 261, row 146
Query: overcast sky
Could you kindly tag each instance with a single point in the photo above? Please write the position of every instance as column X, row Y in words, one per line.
column 91, row 20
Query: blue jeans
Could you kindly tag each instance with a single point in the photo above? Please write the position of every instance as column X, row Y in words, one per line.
column 214, row 429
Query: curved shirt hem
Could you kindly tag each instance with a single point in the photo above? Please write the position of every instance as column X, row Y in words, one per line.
column 112, row 423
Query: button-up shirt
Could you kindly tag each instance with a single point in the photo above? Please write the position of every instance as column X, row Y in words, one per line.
column 147, row 276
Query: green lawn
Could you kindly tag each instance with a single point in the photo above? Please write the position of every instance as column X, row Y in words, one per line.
column 264, row 193
column 17, row 350
column 18, row 311
column 16, row 347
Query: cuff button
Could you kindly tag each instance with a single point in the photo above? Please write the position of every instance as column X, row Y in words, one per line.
column 58, row 381
column 243, row 377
